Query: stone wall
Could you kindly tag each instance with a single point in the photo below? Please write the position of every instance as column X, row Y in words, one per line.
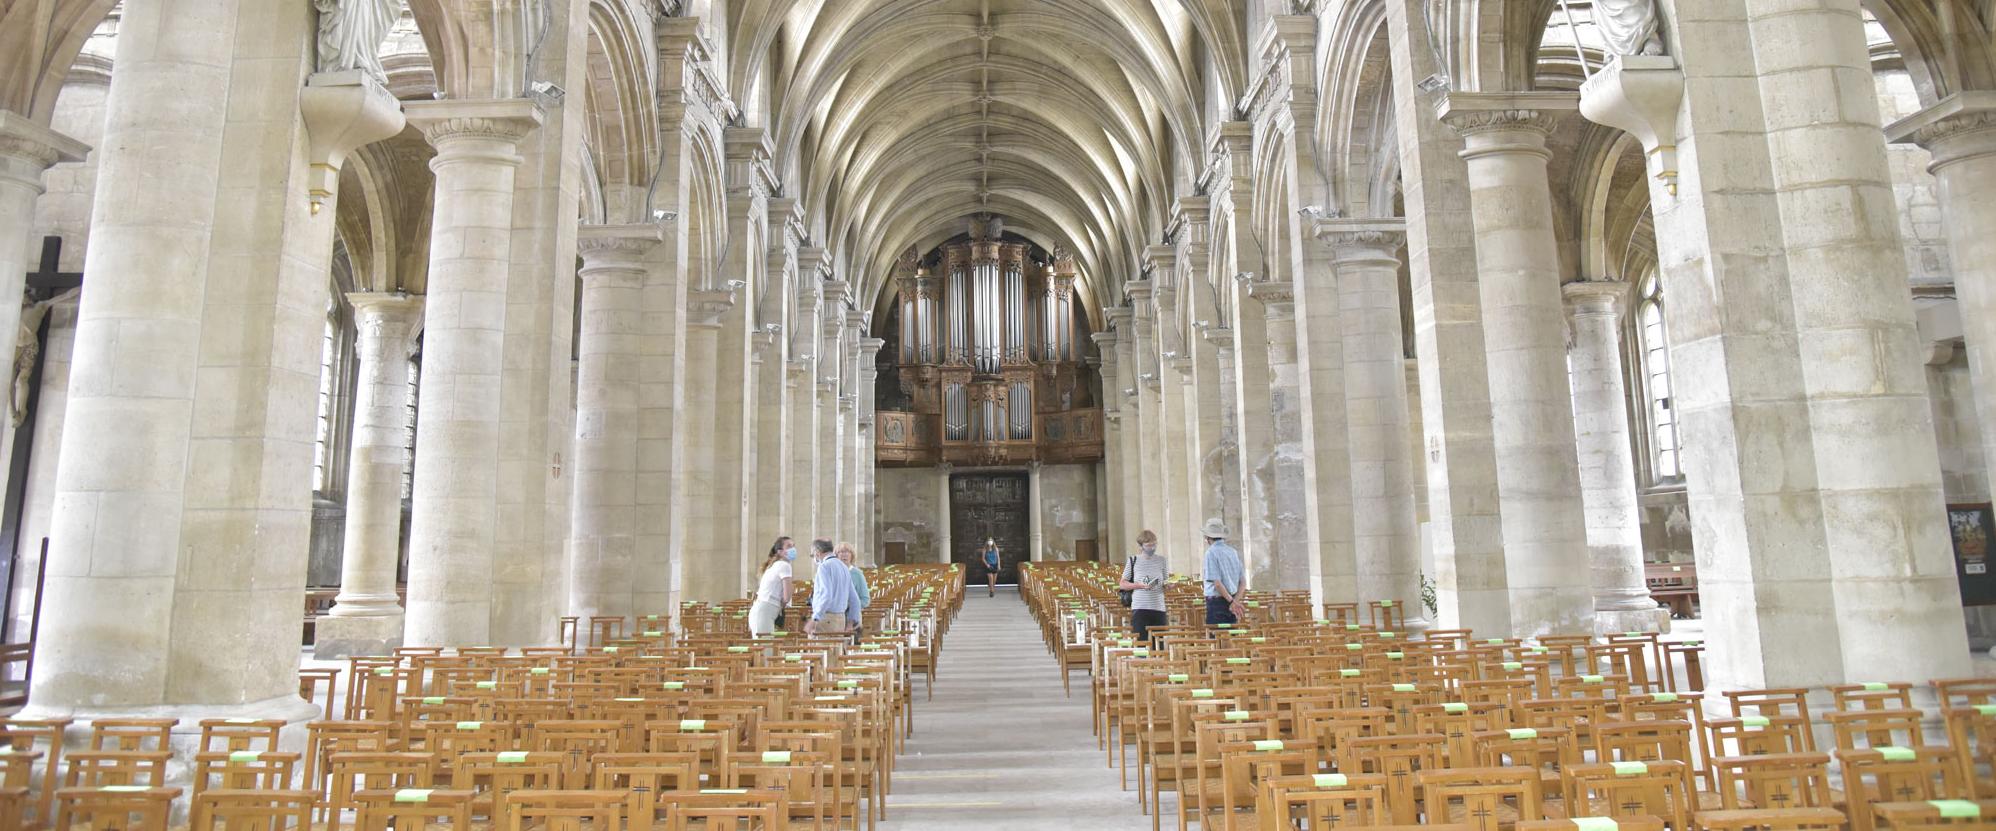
column 1068, row 508
column 912, row 512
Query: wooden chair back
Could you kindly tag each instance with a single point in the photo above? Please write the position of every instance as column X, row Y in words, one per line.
column 243, row 770
column 1632, row 789
column 1484, row 798
column 413, row 809
column 231, row 809
column 575, row 810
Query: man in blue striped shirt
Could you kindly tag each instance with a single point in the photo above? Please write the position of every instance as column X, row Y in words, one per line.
column 1224, row 574
column 831, row 592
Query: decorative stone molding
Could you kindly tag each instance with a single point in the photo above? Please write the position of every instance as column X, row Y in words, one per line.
column 1955, row 129
column 1640, row 95
column 27, row 149
column 1278, row 297
column 1586, row 298
column 705, row 307
column 1221, row 337
column 486, row 131
column 617, row 245
column 1357, row 240
column 1474, row 113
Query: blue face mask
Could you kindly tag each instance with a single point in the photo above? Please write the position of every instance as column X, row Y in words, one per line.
column 790, row 554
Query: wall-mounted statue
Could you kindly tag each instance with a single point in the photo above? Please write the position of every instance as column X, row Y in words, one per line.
column 351, row 32
column 1629, row 26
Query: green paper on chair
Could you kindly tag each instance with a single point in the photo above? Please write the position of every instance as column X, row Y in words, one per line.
column 513, row 757
column 675, row 685
column 1663, row 698
column 1236, row 715
column 1202, row 693
column 1595, row 824
column 692, row 725
column 1236, row 661
column 1875, row 686
column 776, row 757
column 1956, row 808
column 1179, row 678
column 1267, row 745
column 1514, row 665
column 241, row 756
column 1455, row 707
column 413, row 795
column 1522, row 733
column 1630, row 768
column 433, row 699
column 1330, row 780
column 470, row 725
column 1348, row 673
column 1403, row 687
column 1897, row 754
column 1754, row 721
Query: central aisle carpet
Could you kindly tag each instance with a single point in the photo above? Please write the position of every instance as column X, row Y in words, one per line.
column 999, row 747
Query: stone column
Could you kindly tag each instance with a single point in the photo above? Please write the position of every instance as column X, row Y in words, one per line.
column 1960, row 133
column 27, row 150
column 1531, row 405
column 1221, row 476
column 1115, row 535
column 1458, row 460
column 1607, row 460
column 869, row 511
column 1036, row 516
column 180, row 524
column 1387, row 540
column 454, row 507
column 701, row 577
column 1286, row 550
column 942, row 498
column 602, row 544
column 366, row 618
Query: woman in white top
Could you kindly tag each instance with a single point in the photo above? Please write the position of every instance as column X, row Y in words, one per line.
column 773, row 592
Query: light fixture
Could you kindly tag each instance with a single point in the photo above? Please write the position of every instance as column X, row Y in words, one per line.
column 664, row 216
column 1432, row 84
column 548, row 91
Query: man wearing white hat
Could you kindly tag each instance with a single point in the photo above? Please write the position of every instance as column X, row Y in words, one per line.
column 1224, row 574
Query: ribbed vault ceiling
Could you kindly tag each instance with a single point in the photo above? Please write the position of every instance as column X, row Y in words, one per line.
column 901, row 119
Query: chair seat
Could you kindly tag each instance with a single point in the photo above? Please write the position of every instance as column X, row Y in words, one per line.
column 1810, row 816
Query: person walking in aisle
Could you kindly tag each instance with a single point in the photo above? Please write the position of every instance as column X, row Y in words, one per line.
column 831, row 592
column 1144, row 575
column 1223, row 574
column 862, row 597
column 772, row 592
column 991, row 562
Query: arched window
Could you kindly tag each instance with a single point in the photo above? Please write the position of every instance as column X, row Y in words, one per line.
column 1663, row 438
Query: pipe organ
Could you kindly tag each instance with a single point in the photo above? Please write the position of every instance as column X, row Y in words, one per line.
column 990, row 367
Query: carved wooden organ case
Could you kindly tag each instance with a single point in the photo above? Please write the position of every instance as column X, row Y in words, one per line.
column 990, row 358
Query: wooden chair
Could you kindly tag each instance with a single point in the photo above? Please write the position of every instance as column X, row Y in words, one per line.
column 1898, row 774
column 491, row 776
column 1855, row 729
column 1873, row 695
column 413, row 809
column 724, row 809
column 1582, row 824
column 230, row 809
column 1484, row 798
column 1775, row 791
column 312, row 681
column 1777, row 704
column 1942, row 815
column 116, row 768
column 567, row 811
column 243, row 770
column 114, row 808
column 1971, row 730
column 1323, row 802
column 45, row 735
column 800, row 777
column 648, row 776
column 352, row 773
column 1401, row 760
column 229, row 735
column 142, row 734
column 14, row 806
column 1632, row 789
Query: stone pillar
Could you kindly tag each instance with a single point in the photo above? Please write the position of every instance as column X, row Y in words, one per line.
column 1385, row 535
column 1459, row 461
column 27, row 150
column 1607, row 460
column 1116, row 536
column 771, row 511
column 1174, row 542
column 702, row 577
column 1221, row 475
column 454, row 507
column 942, row 481
column 1821, row 533
column 803, row 428
column 602, row 545
column 869, row 510
column 180, row 523
column 1036, row 516
column 1960, row 133
column 366, row 618
column 1286, row 549
column 1531, row 405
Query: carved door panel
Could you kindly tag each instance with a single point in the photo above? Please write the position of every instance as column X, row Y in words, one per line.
column 989, row 506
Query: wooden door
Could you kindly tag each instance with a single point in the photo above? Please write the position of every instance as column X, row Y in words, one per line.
column 1084, row 551
column 989, row 506
column 893, row 553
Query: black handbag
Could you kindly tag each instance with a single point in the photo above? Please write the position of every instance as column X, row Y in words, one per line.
column 1129, row 576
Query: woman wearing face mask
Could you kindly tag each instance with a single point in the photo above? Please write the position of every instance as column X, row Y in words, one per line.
column 1143, row 577
column 773, row 592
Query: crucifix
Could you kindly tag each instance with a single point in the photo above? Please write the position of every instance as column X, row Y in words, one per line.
column 45, row 285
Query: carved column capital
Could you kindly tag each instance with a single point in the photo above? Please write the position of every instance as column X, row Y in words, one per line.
column 1957, row 128
column 1589, row 298
column 28, row 149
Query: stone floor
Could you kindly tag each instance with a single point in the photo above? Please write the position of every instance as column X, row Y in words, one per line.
column 999, row 747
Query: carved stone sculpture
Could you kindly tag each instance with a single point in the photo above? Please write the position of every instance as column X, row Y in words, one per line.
column 1629, row 26
column 350, row 34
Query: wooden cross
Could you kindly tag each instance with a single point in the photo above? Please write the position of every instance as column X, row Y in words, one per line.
column 47, row 280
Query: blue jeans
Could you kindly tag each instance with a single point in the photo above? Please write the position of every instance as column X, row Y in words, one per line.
column 1218, row 610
